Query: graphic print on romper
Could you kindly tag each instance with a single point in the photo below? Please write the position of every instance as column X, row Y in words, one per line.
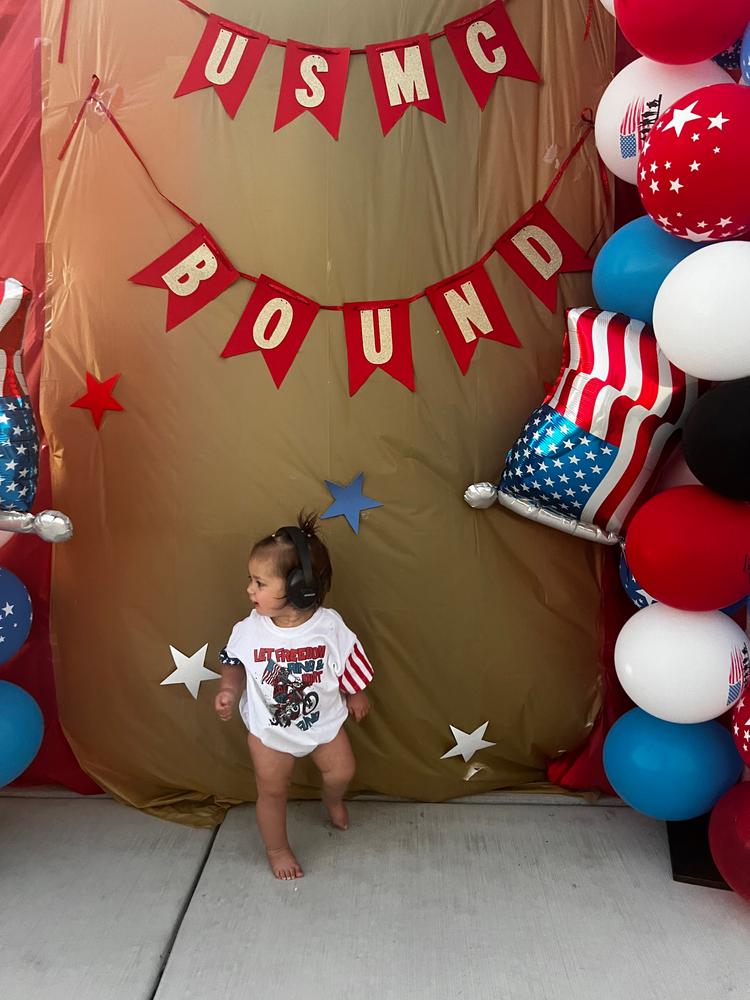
column 294, row 701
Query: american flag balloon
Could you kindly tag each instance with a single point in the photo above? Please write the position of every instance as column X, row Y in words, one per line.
column 693, row 169
column 19, row 441
column 586, row 456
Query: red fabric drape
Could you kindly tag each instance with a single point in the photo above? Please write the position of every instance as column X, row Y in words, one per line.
column 22, row 256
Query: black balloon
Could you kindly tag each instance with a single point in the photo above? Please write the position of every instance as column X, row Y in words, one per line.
column 716, row 439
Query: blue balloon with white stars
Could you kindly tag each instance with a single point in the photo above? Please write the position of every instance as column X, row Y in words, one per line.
column 729, row 59
column 745, row 55
column 15, row 614
column 632, row 588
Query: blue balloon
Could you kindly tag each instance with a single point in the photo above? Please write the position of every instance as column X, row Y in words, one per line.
column 745, row 55
column 15, row 614
column 632, row 265
column 667, row 770
column 21, row 731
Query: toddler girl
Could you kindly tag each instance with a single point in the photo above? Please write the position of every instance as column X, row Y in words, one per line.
column 298, row 673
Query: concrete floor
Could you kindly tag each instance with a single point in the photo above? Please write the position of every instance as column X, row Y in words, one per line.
column 524, row 900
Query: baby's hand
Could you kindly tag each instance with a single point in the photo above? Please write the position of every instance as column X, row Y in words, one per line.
column 224, row 704
column 358, row 705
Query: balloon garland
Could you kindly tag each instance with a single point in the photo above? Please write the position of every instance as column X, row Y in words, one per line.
column 682, row 662
column 21, row 720
column 675, row 124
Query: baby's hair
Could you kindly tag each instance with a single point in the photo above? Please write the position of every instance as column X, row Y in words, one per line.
column 283, row 553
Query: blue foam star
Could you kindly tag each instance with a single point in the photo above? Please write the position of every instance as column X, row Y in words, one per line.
column 349, row 502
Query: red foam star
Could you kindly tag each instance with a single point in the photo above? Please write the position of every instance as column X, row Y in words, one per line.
column 99, row 397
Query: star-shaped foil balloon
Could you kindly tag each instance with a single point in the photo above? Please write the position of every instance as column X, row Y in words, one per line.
column 467, row 744
column 349, row 502
column 98, row 397
column 190, row 670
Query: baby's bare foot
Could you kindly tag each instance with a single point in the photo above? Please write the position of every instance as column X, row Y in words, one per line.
column 283, row 864
column 339, row 814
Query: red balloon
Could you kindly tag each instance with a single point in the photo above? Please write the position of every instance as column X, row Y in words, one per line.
column 693, row 169
column 729, row 837
column 741, row 727
column 681, row 31
column 688, row 547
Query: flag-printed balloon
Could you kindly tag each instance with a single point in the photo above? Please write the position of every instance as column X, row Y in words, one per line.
column 682, row 666
column 693, row 169
column 586, row 456
column 634, row 100
column 19, row 442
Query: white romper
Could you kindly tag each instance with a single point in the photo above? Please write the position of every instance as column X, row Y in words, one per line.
column 296, row 678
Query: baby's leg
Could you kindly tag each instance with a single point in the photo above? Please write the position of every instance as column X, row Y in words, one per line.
column 273, row 771
column 335, row 761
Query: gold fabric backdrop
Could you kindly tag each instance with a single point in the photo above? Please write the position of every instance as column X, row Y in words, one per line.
column 466, row 615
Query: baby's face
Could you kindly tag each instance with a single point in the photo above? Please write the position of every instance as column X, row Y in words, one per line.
column 266, row 590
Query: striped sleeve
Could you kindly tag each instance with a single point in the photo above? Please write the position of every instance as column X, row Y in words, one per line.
column 357, row 671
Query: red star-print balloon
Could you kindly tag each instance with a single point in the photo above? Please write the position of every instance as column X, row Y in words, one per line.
column 694, row 168
column 741, row 727
column 98, row 397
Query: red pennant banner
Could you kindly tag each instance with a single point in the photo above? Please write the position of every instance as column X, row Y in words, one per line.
column 403, row 74
column 193, row 272
column 467, row 306
column 378, row 335
column 275, row 321
column 486, row 46
column 314, row 80
column 539, row 249
column 226, row 59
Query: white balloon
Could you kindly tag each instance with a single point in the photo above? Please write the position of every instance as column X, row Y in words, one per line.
column 628, row 105
column 609, row 5
column 702, row 313
column 680, row 665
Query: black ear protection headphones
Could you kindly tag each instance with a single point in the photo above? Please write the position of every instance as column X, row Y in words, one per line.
column 302, row 588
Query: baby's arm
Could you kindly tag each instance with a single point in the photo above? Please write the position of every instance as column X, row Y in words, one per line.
column 356, row 676
column 232, row 683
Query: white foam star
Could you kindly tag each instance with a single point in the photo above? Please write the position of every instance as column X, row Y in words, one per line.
column 190, row 670
column 467, row 744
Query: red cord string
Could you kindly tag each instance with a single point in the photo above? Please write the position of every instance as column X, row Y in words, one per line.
column 93, row 98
